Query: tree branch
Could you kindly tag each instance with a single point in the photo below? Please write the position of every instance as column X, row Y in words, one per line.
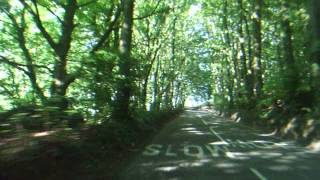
column 149, row 66
column 153, row 12
column 67, row 26
column 58, row 2
column 5, row 90
column 13, row 64
column 53, row 13
column 4, row 59
column 86, row 4
column 39, row 24
column 107, row 33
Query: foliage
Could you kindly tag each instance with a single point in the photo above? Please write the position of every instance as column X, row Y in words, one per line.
column 116, row 61
column 116, row 70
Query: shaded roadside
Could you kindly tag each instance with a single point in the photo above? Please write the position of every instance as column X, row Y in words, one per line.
column 62, row 152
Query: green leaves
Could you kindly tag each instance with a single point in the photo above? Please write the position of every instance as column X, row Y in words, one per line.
column 179, row 48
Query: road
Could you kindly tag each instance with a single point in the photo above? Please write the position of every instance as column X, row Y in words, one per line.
column 200, row 145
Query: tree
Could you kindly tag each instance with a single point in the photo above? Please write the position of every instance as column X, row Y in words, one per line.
column 122, row 107
column 315, row 50
column 257, row 48
column 291, row 73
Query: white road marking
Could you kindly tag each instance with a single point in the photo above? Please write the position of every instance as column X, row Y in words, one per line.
column 216, row 134
column 198, row 153
column 153, row 150
column 204, row 122
column 212, row 131
column 258, row 174
column 169, row 151
column 243, row 144
column 214, row 150
column 229, row 154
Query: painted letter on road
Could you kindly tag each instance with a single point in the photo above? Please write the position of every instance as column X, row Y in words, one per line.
column 214, row 150
column 169, row 151
column 152, row 150
column 193, row 151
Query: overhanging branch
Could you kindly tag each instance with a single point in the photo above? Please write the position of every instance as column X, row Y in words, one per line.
column 7, row 61
column 107, row 33
column 87, row 3
column 13, row 64
column 53, row 13
column 39, row 24
column 153, row 12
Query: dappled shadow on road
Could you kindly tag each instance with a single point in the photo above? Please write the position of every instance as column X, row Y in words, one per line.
column 221, row 159
column 205, row 146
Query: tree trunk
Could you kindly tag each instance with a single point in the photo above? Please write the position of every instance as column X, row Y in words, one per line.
column 257, row 54
column 61, row 78
column 243, row 55
column 156, row 96
column 290, row 71
column 237, row 75
column 146, row 78
column 230, row 87
column 170, row 90
column 122, row 105
column 249, row 76
column 315, row 50
column 144, row 92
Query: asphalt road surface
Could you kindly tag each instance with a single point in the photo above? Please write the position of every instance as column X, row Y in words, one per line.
column 200, row 145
